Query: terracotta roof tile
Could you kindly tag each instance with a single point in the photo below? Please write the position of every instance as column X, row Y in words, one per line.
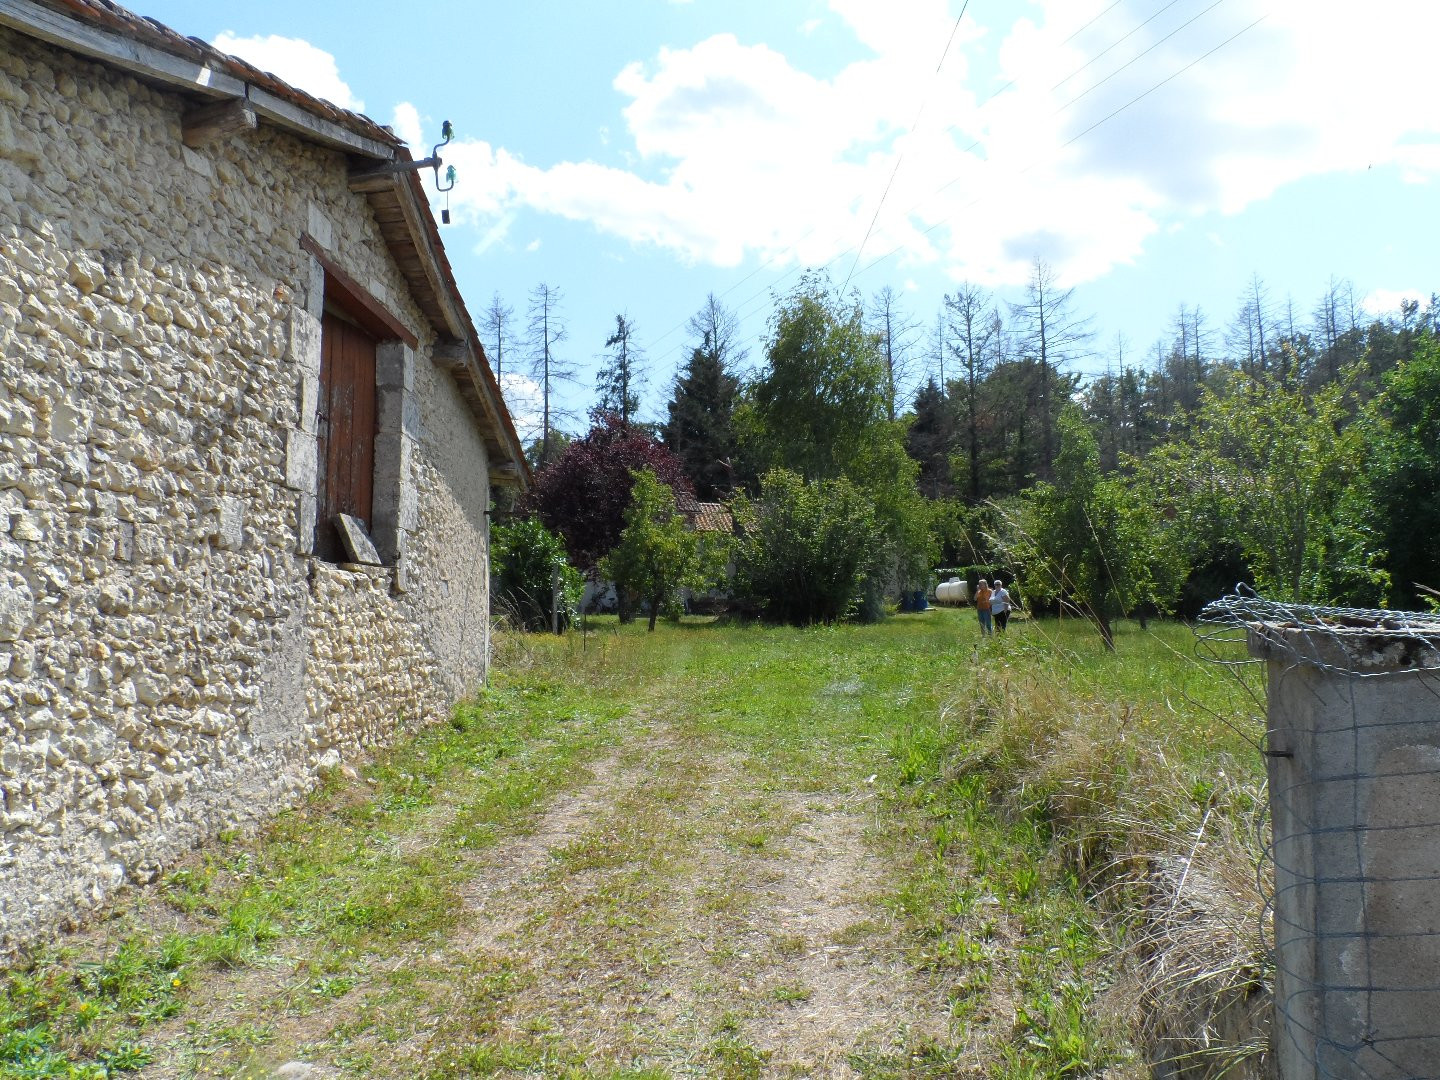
column 118, row 20
column 712, row 517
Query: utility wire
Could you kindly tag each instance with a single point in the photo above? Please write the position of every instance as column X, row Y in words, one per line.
column 744, row 304
column 772, row 259
column 1069, row 142
column 1075, row 138
column 1094, row 86
column 899, row 158
column 1113, row 44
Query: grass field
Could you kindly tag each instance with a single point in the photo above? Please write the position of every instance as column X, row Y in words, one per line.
column 714, row 850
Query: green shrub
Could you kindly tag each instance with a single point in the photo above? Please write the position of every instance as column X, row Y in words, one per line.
column 526, row 557
column 805, row 548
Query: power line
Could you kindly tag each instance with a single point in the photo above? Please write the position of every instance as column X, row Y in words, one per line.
column 772, row 259
column 1075, row 138
column 901, row 156
column 1113, row 44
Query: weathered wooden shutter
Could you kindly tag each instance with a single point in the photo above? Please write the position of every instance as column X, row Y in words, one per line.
column 346, row 431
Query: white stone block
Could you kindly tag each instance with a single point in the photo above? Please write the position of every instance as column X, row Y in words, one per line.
column 301, row 461
column 305, row 340
column 317, row 224
column 356, row 540
column 196, row 162
column 305, row 513
column 229, row 532
column 309, row 403
column 409, row 515
column 395, row 365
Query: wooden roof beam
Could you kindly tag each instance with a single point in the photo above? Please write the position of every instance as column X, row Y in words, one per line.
column 212, row 123
column 147, row 62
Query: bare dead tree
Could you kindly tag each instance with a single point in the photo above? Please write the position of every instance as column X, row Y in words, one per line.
column 1054, row 336
column 546, row 329
column 896, row 333
column 974, row 324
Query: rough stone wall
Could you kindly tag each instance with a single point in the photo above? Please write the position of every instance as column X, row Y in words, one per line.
column 172, row 662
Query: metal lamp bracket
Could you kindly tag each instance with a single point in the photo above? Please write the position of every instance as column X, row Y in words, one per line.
column 434, row 161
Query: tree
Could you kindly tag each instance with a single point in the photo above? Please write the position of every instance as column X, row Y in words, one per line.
column 1270, row 462
column 700, row 424
column 975, row 329
column 717, row 329
column 804, row 547
column 1089, row 540
column 1010, row 408
column 546, row 330
column 931, row 434
column 1395, row 509
column 619, row 381
column 819, row 410
column 1107, row 402
column 498, row 323
column 821, row 399
column 1052, row 335
column 583, row 493
column 659, row 554
column 1248, row 332
column 528, row 560
column 893, row 330
column 1186, row 368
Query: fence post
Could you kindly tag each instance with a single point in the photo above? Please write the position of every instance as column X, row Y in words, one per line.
column 1354, row 770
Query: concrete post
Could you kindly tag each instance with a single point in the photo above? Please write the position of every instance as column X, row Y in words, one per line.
column 1354, row 769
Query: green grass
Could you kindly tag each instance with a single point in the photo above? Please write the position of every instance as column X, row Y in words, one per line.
column 997, row 768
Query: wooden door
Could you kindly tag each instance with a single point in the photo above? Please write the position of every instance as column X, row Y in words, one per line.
column 346, row 430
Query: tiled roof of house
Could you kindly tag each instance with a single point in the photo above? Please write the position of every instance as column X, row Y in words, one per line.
column 713, row 517
column 704, row 516
column 111, row 16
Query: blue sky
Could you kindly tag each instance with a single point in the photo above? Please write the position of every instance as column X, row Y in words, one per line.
column 638, row 155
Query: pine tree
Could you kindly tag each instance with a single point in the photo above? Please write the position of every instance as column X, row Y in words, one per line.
column 699, row 428
column 619, row 382
column 929, row 440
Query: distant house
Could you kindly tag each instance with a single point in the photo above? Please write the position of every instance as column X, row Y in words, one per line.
column 708, row 517
column 600, row 595
column 247, row 441
column 705, row 517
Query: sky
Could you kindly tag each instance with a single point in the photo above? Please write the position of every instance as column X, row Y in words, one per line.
column 639, row 155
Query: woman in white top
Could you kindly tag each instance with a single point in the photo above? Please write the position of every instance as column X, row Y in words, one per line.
column 1000, row 604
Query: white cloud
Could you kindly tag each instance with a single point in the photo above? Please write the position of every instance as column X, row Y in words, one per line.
column 498, row 230
column 1388, row 301
column 1075, row 135
column 407, row 125
column 524, row 402
column 297, row 62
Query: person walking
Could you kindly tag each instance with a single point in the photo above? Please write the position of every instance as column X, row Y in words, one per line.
column 982, row 607
column 1000, row 603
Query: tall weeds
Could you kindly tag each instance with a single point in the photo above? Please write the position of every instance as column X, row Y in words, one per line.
column 1165, row 840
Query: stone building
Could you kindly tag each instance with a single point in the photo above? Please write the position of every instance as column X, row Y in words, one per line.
column 226, row 318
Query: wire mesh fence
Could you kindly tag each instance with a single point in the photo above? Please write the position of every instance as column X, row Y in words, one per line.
column 1352, row 705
